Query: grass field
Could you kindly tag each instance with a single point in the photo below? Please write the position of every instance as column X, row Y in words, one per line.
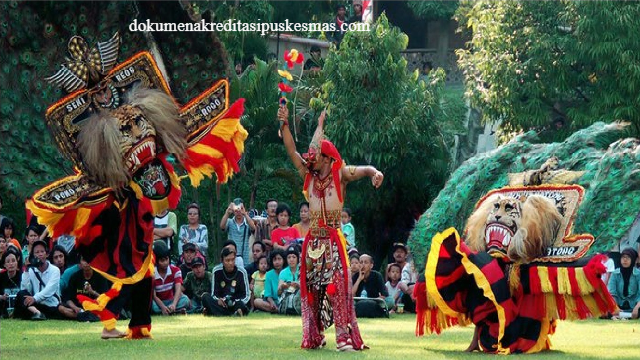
column 264, row 336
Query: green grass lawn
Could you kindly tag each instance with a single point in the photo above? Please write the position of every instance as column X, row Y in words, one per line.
column 264, row 336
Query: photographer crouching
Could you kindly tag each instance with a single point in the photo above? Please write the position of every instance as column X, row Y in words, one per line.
column 230, row 288
column 38, row 298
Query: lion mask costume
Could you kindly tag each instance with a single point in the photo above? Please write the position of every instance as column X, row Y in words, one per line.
column 518, row 271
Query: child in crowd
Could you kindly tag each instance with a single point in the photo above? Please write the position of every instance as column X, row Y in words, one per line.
column 167, row 284
column 269, row 302
column 284, row 235
column 354, row 260
column 347, row 229
column 393, row 288
column 258, row 278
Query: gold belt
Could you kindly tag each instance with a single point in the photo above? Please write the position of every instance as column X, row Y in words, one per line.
column 319, row 232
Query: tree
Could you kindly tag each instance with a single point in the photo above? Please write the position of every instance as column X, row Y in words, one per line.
column 548, row 64
column 381, row 115
column 433, row 10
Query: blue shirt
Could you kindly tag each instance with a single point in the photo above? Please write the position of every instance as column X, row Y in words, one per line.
column 271, row 286
column 239, row 234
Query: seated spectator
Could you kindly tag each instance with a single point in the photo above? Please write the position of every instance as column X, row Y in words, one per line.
column 38, row 298
column 232, row 245
column 289, row 284
column 305, row 220
column 7, row 232
column 393, row 287
column 230, row 288
column 167, row 284
column 258, row 250
column 194, row 232
column 624, row 284
column 84, row 282
column 610, row 265
column 270, row 300
column 58, row 257
column 189, row 253
column 347, row 228
column 10, row 280
column 354, row 260
column 68, row 242
column 32, row 236
column 258, row 279
column 3, row 246
column 408, row 277
column 369, row 287
column 196, row 284
column 238, row 226
column 284, row 235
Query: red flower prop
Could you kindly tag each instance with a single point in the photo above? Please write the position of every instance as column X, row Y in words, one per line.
column 285, row 88
column 293, row 56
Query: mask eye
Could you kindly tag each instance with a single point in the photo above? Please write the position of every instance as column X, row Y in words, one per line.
column 496, row 206
column 508, row 207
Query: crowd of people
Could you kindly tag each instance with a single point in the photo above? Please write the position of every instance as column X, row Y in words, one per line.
column 258, row 268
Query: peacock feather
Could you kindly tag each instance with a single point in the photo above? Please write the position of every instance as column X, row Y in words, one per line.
column 611, row 179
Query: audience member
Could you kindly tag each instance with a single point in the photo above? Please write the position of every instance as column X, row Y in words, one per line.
column 32, row 237
column 340, row 25
column 68, row 243
column 314, row 63
column 257, row 280
column 7, row 231
column 232, row 245
column 610, row 265
column 58, row 257
column 354, row 260
column 369, row 286
column 408, row 277
column 270, row 300
column 10, row 280
column 84, row 282
column 194, row 232
column 165, row 226
column 265, row 226
column 189, row 253
column 289, row 284
column 357, row 12
column 425, row 74
column 38, row 298
column 3, row 246
column 393, row 287
column 167, row 284
column 624, row 284
column 197, row 283
column 305, row 220
column 258, row 249
column 347, row 229
column 238, row 228
column 284, row 235
column 230, row 288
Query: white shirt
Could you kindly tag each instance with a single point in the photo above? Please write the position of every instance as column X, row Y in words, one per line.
column 45, row 295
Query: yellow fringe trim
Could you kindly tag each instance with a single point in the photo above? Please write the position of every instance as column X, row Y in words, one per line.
column 109, row 324
column 146, row 266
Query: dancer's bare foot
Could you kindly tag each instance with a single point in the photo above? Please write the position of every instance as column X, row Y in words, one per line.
column 112, row 334
column 474, row 346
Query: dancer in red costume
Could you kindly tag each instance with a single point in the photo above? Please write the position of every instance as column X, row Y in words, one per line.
column 325, row 282
column 120, row 126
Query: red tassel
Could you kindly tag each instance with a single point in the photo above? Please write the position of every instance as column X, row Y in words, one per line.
column 420, row 294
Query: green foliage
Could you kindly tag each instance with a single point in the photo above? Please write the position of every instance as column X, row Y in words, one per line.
column 433, row 10
column 532, row 62
column 380, row 114
column 611, row 182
